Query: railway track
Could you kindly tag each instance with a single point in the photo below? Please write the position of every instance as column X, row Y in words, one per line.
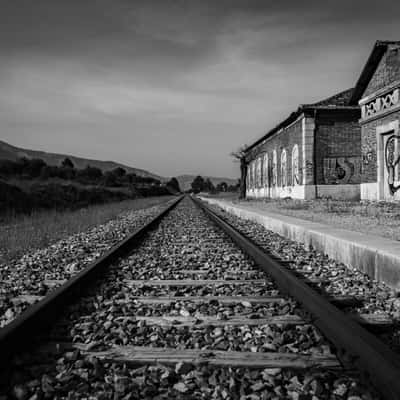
column 179, row 310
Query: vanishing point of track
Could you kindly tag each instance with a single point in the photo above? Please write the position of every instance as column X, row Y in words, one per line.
column 354, row 346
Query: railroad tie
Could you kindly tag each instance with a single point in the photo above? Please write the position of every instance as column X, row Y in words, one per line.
column 145, row 355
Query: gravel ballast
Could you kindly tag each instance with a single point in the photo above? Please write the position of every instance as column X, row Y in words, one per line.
column 23, row 281
column 338, row 278
column 109, row 315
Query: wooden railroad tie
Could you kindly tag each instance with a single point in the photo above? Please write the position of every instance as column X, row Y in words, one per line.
column 144, row 355
column 202, row 321
column 196, row 282
column 338, row 301
column 208, row 299
column 205, row 282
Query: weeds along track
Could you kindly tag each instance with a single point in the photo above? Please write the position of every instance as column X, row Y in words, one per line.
column 186, row 314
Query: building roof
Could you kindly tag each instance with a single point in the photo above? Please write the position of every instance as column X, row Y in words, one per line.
column 337, row 101
column 373, row 61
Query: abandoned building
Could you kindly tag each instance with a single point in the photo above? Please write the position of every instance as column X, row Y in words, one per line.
column 377, row 93
column 315, row 152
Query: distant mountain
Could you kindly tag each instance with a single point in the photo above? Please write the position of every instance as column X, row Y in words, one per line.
column 10, row 152
column 186, row 180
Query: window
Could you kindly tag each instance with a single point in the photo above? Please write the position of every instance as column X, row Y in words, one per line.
column 258, row 173
column 253, row 174
column 274, row 168
column 266, row 172
column 283, row 169
column 295, row 166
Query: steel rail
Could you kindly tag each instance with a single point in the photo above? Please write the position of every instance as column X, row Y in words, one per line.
column 355, row 346
column 21, row 332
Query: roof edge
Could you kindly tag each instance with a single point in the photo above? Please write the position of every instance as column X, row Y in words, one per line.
column 292, row 118
column 370, row 67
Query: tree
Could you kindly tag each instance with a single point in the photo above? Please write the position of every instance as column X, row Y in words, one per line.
column 131, row 177
column 90, row 174
column 110, row 179
column 222, row 187
column 119, row 172
column 208, row 186
column 240, row 155
column 33, row 167
column 198, row 184
column 67, row 163
column 174, row 184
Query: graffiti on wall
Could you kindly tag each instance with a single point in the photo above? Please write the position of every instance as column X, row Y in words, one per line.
column 367, row 157
column 391, row 161
column 341, row 170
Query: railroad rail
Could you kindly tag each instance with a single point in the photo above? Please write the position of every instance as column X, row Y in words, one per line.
column 20, row 333
column 354, row 345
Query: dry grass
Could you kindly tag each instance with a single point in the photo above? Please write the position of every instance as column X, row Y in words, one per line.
column 22, row 233
column 222, row 195
column 376, row 218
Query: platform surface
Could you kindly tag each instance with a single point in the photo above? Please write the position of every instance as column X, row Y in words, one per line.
column 377, row 256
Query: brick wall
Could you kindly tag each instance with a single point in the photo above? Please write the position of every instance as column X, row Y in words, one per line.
column 285, row 139
column 387, row 71
column 338, row 151
column 368, row 146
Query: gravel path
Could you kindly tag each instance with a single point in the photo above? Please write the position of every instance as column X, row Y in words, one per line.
column 28, row 275
column 109, row 315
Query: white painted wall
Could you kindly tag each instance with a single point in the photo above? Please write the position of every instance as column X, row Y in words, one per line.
column 308, row 192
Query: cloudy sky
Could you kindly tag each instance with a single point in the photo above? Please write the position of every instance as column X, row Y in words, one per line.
column 174, row 86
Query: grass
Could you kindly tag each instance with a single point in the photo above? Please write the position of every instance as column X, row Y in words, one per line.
column 376, row 218
column 222, row 195
column 22, row 233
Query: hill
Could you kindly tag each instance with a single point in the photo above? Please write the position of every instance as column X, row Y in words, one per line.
column 9, row 152
column 186, row 180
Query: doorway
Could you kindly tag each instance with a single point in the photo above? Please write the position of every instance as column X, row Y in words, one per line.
column 388, row 162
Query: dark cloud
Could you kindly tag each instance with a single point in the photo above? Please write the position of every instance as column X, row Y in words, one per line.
column 174, row 85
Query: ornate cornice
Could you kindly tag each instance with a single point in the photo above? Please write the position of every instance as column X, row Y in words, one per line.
column 381, row 103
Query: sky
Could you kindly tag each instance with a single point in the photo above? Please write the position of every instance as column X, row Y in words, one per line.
column 174, row 86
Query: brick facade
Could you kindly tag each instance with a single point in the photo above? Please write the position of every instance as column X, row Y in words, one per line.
column 369, row 146
column 345, row 145
column 387, row 71
column 325, row 143
column 285, row 139
column 379, row 98
column 338, row 146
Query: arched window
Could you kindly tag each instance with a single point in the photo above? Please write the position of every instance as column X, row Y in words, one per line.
column 258, row 166
column 248, row 175
column 265, row 169
column 253, row 174
column 274, row 168
column 283, row 168
column 295, row 166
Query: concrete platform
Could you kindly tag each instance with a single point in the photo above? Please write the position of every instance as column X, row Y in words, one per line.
column 378, row 257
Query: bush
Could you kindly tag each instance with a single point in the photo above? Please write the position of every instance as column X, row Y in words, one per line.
column 14, row 199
